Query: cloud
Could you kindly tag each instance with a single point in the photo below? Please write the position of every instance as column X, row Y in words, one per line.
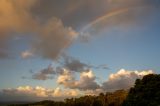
column 51, row 72
column 3, row 54
column 85, row 85
column 102, row 66
column 49, row 39
column 15, row 17
column 28, row 93
column 54, row 38
column 26, row 54
column 25, row 93
column 58, row 92
column 66, row 78
column 86, row 81
column 74, row 64
column 123, row 79
column 121, row 14
column 94, row 92
column 51, row 27
column 44, row 74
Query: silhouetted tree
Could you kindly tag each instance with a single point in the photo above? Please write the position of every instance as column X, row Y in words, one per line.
column 146, row 92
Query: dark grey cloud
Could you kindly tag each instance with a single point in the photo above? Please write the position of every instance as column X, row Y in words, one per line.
column 69, row 63
column 74, row 64
column 49, row 72
column 73, row 13
column 44, row 74
column 78, row 13
column 102, row 66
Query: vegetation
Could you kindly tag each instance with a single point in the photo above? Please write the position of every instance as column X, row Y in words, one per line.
column 109, row 99
column 146, row 92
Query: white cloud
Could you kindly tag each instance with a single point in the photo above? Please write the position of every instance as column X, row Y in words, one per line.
column 58, row 92
column 28, row 91
column 35, row 93
column 86, row 81
column 66, row 78
column 123, row 79
column 94, row 92
column 86, row 85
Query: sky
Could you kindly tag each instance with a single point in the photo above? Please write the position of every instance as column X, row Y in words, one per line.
column 55, row 49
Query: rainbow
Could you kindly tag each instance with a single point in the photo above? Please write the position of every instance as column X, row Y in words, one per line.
column 104, row 17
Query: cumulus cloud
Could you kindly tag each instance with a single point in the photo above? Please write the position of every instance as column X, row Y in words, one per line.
column 72, row 65
column 85, row 85
column 86, row 81
column 123, row 79
column 28, row 93
column 50, row 72
column 58, row 92
column 66, row 78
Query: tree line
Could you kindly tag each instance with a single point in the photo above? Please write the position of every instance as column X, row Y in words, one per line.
column 146, row 92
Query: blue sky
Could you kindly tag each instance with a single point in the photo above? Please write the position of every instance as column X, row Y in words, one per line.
column 32, row 52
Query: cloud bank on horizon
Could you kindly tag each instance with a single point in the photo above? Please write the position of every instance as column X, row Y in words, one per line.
column 123, row 79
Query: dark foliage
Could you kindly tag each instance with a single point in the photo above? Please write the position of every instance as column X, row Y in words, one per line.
column 146, row 92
